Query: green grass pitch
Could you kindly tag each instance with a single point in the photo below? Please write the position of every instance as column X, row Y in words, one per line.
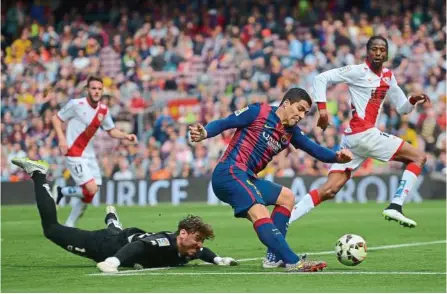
column 30, row 263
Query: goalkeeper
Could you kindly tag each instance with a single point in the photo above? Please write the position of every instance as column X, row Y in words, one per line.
column 114, row 246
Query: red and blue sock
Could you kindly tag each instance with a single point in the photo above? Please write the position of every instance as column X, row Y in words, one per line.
column 271, row 237
column 280, row 217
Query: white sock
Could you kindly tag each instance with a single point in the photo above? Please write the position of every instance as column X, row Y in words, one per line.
column 306, row 204
column 76, row 211
column 409, row 177
column 72, row 191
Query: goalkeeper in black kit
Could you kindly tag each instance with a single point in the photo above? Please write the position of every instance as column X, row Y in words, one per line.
column 114, row 246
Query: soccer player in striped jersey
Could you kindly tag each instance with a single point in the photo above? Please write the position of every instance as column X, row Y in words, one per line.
column 369, row 84
column 84, row 116
column 262, row 132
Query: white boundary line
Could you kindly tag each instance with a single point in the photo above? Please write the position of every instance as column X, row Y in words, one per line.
column 267, row 273
column 369, row 249
column 142, row 271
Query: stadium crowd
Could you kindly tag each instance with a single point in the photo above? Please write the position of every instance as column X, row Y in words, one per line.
column 219, row 56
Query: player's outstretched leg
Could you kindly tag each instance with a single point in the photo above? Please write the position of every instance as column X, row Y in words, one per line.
column 45, row 202
column 280, row 216
column 327, row 191
column 415, row 160
column 270, row 236
column 112, row 220
column 79, row 242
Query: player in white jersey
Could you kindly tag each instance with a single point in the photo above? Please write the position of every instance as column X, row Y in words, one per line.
column 369, row 83
column 84, row 116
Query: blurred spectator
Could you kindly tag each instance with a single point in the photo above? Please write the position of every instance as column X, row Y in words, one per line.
column 234, row 54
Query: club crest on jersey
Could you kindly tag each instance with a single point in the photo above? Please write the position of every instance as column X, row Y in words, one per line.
column 100, row 116
column 285, row 139
column 386, row 80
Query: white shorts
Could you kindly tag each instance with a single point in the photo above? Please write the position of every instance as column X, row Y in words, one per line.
column 83, row 170
column 371, row 143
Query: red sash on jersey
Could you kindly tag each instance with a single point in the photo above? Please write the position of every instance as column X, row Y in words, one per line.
column 359, row 124
column 82, row 140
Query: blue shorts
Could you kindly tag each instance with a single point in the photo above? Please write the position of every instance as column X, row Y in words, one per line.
column 236, row 187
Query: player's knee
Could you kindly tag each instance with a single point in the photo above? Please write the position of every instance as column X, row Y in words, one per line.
column 91, row 187
column 89, row 192
column 48, row 232
column 329, row 192
column 286, row 198
column 421, row 159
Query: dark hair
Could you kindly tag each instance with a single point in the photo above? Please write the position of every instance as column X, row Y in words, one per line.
column 94, row 79
column 193, row 224
column 296, row 95
column 369, row 44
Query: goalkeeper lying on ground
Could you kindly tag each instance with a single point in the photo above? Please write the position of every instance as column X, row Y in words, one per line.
column 113, row 247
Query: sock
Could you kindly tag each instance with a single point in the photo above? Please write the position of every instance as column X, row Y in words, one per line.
column 76, row 212
column 72, row 191
column 280, row 217
column 306, row 204
column 45, row 202
column 409, row 177
column 270, row 236
column 88, row 197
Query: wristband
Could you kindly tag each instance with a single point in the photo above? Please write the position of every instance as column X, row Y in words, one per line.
column 321, row 105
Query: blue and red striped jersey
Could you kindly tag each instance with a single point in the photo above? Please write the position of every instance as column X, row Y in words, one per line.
column 260, row 135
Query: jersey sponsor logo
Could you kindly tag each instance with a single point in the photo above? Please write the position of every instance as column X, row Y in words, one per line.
column 163, row 242
column 238, row 112
column 271, row 142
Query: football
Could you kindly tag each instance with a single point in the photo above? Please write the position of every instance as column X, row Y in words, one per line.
column 351, row 249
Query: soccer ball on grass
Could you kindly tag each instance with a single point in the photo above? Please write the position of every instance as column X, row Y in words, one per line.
column 351, row 249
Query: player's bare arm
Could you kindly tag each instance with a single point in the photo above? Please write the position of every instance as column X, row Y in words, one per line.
column 323, row 120
column 118, row 134
column 57, row 124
